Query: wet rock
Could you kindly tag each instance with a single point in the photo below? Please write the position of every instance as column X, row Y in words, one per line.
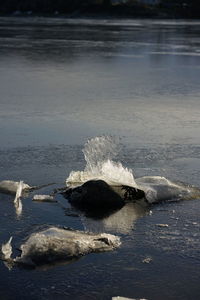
column 97, row 193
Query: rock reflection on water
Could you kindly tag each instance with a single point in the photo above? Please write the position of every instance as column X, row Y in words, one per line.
column 121, row 221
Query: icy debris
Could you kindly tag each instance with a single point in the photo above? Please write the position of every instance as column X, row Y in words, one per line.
column 44, row 198
column 124, row 298
column 11, row 187
column 17, row 200
column 54, row 244
column 162, row 225
column 19, row 191
column 6, row 249
column 147, row 260
column 18, row 207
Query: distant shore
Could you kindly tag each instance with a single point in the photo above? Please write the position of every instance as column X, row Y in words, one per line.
column 98, row 16
column 111, row 12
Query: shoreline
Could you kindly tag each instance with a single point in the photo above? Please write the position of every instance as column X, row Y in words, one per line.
column 113, row 13
column 98, row 16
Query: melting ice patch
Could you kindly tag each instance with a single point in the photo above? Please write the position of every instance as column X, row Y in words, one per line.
column 54, row 244
column 11, row 187
column 159, row 188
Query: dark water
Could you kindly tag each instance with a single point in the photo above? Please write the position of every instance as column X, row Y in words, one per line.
column 63, row 81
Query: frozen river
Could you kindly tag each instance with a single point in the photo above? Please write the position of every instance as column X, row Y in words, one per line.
column 63, row 81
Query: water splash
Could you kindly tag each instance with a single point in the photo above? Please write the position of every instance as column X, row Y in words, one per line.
column 98, row 150
column 99, row 153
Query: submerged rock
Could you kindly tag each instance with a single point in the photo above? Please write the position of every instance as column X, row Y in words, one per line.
column 54, row 244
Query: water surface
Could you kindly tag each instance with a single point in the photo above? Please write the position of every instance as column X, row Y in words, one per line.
column 63, row 81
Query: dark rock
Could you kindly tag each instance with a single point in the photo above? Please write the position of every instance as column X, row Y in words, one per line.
column 95, row 194
column 101, row 199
